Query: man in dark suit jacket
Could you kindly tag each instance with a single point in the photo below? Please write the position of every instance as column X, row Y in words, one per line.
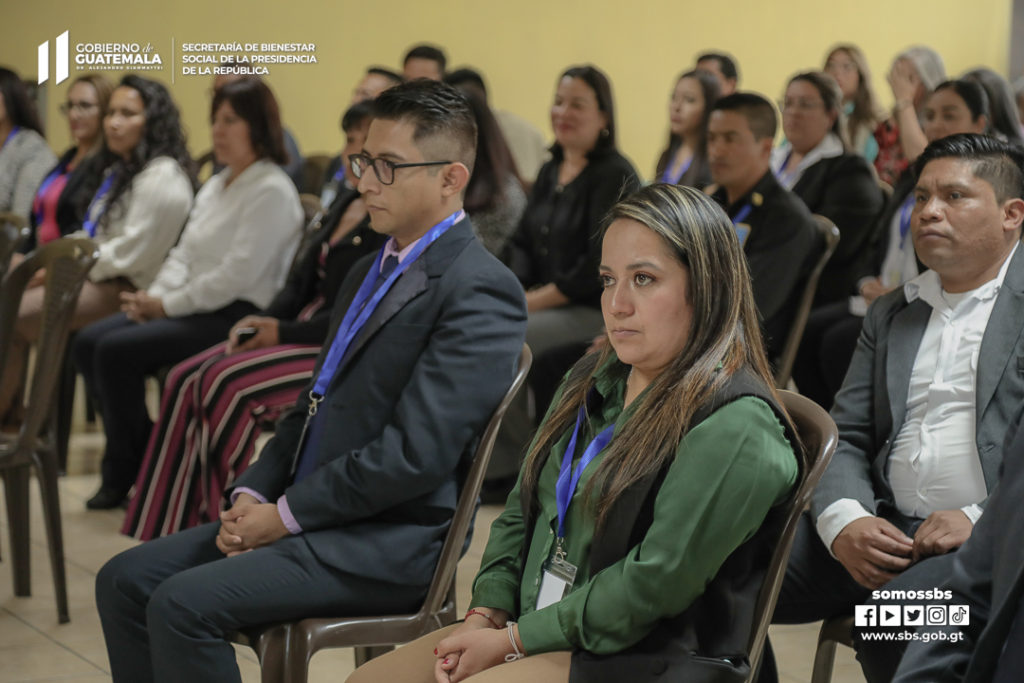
column 777, row 231
column 987, row 577
column 346, row 509
column 936, row 381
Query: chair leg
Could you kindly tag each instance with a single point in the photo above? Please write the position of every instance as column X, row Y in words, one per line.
column 273, row 647
column 65, row 407
column 824, row 658
column 16, row 488
column 47, row 474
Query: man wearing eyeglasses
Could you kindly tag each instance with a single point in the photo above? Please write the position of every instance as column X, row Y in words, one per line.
column 346, row 508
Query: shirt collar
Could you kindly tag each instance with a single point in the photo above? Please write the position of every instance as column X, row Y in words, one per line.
column 928, row 287
column 829, row 147
column 391, row 247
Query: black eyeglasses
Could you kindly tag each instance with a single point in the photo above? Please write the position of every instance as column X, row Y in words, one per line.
column 84, row 107
column 384, row 169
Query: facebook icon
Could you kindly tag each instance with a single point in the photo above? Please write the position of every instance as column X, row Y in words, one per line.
column 865, row 615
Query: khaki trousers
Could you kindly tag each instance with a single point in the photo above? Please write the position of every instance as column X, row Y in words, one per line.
column 414, row 663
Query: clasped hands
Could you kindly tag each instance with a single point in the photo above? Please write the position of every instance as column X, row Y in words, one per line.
column 471, row 648
column 874, row 551
column 141, row 307
column 249, row 524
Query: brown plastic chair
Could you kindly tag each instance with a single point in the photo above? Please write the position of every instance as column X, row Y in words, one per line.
column 312, row 210
column 784, row 365
column 67, row 262
column 14, row 231
column 819, row 435
column 284, row 650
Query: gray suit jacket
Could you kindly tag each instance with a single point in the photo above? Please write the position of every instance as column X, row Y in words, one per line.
column 871, row 406
column 405, row 407
column 988, row 577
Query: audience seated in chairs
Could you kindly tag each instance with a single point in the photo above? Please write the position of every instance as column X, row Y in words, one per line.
column 555, row 251
column 356, row 527
column 58, row 207
column 232, row 258
column 914, row 74
column 814, row 164
column 685, row 455
column 217, row 403
column 137, row 192
column 830, row 336
column 685, row 160
column 861, row 112
column 24, row 155
column 354, row 124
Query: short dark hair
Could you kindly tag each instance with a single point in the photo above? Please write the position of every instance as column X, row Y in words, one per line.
column 21, row 110
column 434, row 54
column 726, row 63
column 602, row 87
column 757, row 110
column 252, row 100
column 466, row 76
column 1000, row 164
column 436, row 110
column 357, row 115
column 386, row 73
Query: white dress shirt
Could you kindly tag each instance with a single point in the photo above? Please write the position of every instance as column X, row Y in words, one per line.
column 238, row 243
column 933, row 464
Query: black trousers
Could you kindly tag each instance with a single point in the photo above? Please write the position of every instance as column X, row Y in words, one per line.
column 817, row 586
column 166, row 606
column 115, row 355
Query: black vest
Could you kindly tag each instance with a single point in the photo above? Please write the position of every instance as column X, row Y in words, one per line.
column 708, row 641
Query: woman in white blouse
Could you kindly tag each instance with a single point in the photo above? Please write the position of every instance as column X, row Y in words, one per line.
column 232, row 258
column 136, row 198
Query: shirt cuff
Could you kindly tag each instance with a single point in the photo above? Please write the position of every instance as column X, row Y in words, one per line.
column 973, row 512
column 244, row 489
column 287, row 517
column 541, row 631
column 835, row 518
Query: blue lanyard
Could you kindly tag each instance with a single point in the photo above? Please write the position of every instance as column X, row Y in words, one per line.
column 667, row 176
column 742, row 213
column 41, row 192
column 782, row 174
column 566, row 485
column 90, row 222
column 14, row 131
column 365, row 303
column 339, row 175
column 906, row 208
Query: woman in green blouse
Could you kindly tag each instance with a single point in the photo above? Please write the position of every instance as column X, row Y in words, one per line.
column 633, row 540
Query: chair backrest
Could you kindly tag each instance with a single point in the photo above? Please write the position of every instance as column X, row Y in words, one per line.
column 67, row 262
column 456, row 537
column 829, row 238
column 820, row 436
column 14, row 231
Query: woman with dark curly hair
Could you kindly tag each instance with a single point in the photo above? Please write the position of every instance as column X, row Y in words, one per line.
column 24, row 155
column 140, row 192
column 230, row 262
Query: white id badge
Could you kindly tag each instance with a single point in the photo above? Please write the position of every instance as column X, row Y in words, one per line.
column 555, row 582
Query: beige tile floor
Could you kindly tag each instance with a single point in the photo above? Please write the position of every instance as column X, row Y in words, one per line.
column 34, row 647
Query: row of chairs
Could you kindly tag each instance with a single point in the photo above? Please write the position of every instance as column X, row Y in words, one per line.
column 67, row 262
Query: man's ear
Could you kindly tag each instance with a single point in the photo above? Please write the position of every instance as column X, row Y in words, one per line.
column 454, row 179
column 1013, row 213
